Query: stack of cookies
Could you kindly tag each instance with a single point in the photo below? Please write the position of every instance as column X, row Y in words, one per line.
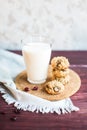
column 60, row 75
column 60, row 69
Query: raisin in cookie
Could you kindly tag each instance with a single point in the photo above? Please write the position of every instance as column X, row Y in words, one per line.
column 60, row 63
column 54, row 87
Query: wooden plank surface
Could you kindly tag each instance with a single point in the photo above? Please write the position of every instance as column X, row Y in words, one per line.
column 34, row 121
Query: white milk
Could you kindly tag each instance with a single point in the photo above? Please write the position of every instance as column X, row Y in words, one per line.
column 36, row 57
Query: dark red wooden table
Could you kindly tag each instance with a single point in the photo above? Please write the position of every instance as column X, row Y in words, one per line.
column 33, row 121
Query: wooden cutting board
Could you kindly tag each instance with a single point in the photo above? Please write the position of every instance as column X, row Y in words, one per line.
column 70, row 88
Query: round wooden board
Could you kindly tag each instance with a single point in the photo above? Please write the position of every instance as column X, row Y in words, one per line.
column 71, row 88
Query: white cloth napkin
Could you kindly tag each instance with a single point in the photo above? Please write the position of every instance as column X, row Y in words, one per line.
column 12, row 64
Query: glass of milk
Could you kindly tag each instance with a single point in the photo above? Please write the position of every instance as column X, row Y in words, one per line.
column 36, row 56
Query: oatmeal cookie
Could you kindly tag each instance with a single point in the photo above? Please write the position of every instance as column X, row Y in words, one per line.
column 60, row 73
column 60, row 63
column 54, row 87
column 64, row 80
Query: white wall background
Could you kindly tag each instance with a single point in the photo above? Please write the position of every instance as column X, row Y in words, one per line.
column 61, row 22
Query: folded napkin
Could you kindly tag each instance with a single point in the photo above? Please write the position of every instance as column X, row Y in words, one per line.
column 12, row 64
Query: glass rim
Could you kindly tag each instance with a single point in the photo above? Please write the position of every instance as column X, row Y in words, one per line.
column 37, row 43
